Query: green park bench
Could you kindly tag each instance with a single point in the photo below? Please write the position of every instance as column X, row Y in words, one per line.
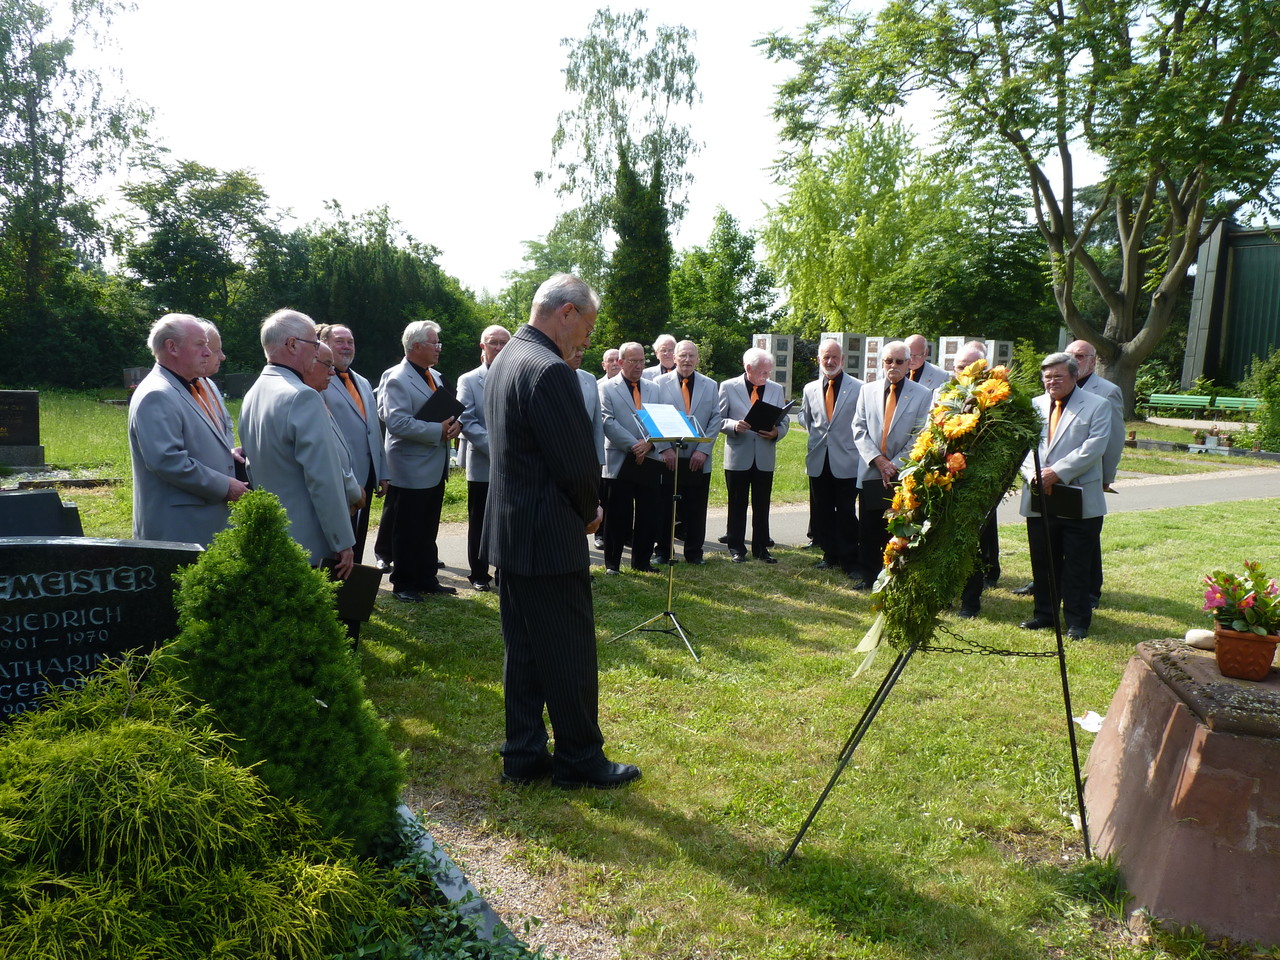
column 1178, row 401
column 1246, row 404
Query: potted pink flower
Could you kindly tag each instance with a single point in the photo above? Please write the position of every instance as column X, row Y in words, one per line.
column 1246, row 614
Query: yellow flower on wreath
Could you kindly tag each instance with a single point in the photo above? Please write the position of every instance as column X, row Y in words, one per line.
column 991, row 392
column 924, row 443
column 942, row 481
column 895, row 546
column 904, row 500
column 959, row 425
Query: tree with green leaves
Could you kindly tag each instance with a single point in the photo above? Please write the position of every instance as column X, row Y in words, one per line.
column 631, row 89
column 721, row 295
column 203, row 229
column 845, row 221
column 60, row 132
column 1179, row 100
column 637, row 300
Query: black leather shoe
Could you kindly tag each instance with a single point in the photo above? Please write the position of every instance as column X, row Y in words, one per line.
column 606, row 776
column 610, row 571
column 857, row 583
column 767, row 557
column 823, row 565
column 1036, row 624
column 599, row 542
column 1094, row 600
column 481, row 586
column 440, row 588
column 967, row 613
column 1025, row 591
column 696, row 561
column 526, row 774
column 1077, row 633
column 724, row 539
column 737, row 556
column 408, row 596
column 439, row 564
column 383, row 565
column 644, row 568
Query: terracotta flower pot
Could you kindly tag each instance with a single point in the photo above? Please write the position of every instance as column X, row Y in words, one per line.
column 1245, row 656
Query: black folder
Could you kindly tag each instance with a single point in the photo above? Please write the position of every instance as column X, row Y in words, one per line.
column 1065, row 501
column 357, row 593
column 765, row 416
column 440, row 407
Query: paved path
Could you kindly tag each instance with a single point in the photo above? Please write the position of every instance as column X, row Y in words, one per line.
column 790, row 521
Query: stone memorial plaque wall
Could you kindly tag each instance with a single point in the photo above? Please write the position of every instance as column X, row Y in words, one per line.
column 68, row 604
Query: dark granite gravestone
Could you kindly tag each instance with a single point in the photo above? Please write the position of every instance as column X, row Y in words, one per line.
column 38, row 513
column 66, row 605
column 20, row 429
column 236, row 385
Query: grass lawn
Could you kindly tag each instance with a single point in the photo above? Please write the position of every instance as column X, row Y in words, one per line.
column 949, row 834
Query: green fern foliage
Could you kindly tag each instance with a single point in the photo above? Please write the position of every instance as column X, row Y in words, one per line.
column 263, row 647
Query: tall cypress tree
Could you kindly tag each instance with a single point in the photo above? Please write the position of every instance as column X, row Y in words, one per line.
column 638, row 294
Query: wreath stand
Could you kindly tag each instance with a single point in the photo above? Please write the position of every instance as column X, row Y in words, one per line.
column 971, row 647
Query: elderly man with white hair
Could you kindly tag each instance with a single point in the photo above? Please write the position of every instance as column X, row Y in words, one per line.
column 891, row 412
column 292, row 446
column 183, row 465
column 417, row 462
column 664, row 348
column 919, row 369
column 750, row 455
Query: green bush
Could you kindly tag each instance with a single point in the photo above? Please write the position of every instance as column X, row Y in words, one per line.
column 127, row 832
column 1263, row 382
column 263, row 647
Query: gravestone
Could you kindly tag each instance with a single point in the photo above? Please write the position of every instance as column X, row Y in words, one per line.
column 69, row 604
column 20, row 429
column 38, row 513
column 236, row 385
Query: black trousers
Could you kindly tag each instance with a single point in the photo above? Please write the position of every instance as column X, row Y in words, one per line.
column 755, row 486
column 971, row 596
column 417, row 523
column 873, row 500
column 477, row 497
column 634, row 506
column 1068, row 545
column 693, row 489
column 549, row 639
column 384, row 547
column 833, row 517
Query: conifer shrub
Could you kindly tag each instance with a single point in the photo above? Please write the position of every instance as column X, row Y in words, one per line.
column 261, row 644
column 128, row 832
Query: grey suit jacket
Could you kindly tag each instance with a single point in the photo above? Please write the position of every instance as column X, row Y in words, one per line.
column 654, row 372
column 473, row 443
column 591, row 402
column 417, row 453
column 932, row 376
column 182, row 463
column 1076, row 453
column 747, row 449
column 1115, row 443
column 543, row 473
column 362, row 434
column 228, row 427
column 294, row 451
column 621, row 427
column 868, row 423
column 831, row 438
column 705, row 409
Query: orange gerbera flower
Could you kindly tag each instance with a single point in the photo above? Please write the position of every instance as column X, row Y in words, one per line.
column 960, row 425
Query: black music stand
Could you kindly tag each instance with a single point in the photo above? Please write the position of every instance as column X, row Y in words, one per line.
column 657, row 419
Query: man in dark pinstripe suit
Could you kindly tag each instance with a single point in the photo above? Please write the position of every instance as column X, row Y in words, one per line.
column 543, row 478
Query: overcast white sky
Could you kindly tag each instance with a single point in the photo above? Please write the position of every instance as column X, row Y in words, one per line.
column 443, row 111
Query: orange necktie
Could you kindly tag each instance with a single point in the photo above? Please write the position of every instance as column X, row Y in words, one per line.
column 890, row 405
column 197, row 391
column 355, row 394
column 1054, row 417
column 687, row 394
column 635, row 393
column 831, row 398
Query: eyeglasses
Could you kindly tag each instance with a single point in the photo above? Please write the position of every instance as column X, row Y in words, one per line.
column 1054, row 378
column 332, row 368
column 314, row 343
column 893, row 362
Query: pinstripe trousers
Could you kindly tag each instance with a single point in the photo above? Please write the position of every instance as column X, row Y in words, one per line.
column 549, row 635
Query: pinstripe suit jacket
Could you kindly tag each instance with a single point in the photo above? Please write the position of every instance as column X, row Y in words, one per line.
column 182, row 464
column 543, row 472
